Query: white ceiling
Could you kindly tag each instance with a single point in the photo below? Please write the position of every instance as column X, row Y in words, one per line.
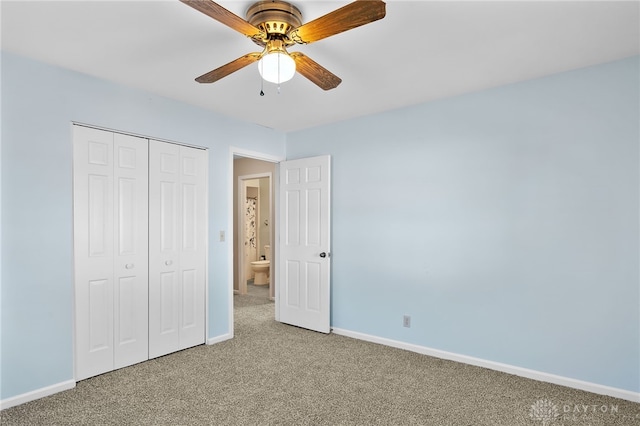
column 421, row 51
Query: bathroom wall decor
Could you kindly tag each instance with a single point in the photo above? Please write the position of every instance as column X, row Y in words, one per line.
column 250, row 232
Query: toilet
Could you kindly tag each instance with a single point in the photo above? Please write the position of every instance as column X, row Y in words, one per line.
column 261, row 268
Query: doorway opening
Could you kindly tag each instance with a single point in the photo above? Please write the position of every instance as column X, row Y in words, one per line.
column 300, row 233
column 258, row 173
column 253, row 230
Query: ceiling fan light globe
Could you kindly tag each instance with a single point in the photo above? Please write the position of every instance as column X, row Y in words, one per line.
column 277, row 67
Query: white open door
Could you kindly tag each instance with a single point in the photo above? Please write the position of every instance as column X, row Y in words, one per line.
column 304, row 243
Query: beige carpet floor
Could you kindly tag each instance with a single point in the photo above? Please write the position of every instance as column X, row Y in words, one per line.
column 274, row 374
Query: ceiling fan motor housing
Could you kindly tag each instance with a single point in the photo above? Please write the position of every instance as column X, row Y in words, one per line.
column 275, row 18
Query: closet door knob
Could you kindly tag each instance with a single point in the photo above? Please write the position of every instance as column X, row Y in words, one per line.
column 129, row 266
column 323, row 254
column 168, row 262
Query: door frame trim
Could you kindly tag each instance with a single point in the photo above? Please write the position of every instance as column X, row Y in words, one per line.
column 138, row 135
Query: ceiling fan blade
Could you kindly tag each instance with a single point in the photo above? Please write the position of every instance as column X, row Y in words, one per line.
column 231, row 67
column 315, row 72
column 220, row 14
column 353, row 15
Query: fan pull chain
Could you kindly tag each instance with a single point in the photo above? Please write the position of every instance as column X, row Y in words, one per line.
column 261, row 80
column 279, row 74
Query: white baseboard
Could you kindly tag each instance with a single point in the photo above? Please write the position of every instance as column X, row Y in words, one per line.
column 505, row 368
column 218, row 339
column 37, row 394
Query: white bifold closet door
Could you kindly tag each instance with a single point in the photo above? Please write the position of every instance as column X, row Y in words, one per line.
column 140, row 234
column 177, row 247
column 110, row 250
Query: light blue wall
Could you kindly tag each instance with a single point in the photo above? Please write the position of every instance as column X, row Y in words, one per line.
column 38, row 104
column 504, row 222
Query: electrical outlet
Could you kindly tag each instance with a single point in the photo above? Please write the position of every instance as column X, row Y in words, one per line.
column 406, row 321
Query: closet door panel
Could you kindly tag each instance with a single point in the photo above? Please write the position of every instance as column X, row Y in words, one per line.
column 125, row 291
column 93, row 250
column 100, row 319
column 189, row 218
column 193, row 180
column 177, row 223
column 169, row 311
column 131, row 266
column 168, row 218
column 99, row 193
column 164, row 249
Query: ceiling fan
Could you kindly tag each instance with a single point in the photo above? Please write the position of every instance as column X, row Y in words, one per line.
column 275, row 25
